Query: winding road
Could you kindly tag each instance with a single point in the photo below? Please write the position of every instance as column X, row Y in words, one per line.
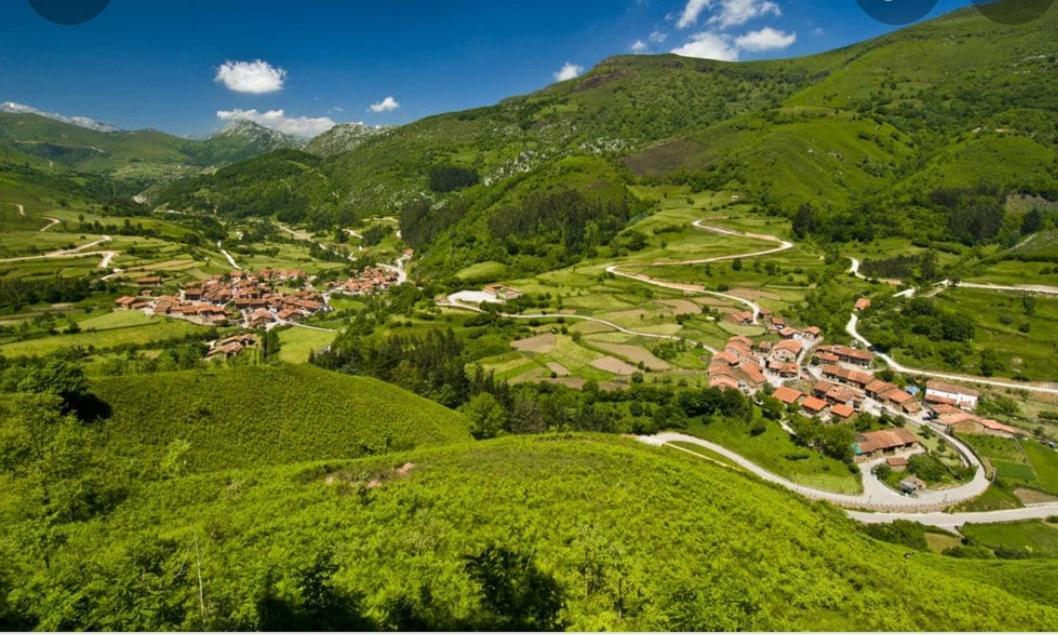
column 74, row 252
column 580, row 318
column 52, row 222
column 888, row 505
column 852, row 329
column 697, row 288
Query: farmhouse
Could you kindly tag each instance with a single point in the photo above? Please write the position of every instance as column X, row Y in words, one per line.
column 842, row 412
column 814, row 405
column 786, row 350
column 871, row 445
column 125, row 302
column 856, row 378
column 741, row 317
column 787, row 395
column 862, row 304
column 938, row 391
column 848, row 355
column 966, row 423
column 502, row 292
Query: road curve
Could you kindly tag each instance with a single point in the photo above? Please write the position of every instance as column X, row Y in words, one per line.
column 852, row 329
column 52, row 222
column 581, row 318
column 696, row 288
column 874, row 497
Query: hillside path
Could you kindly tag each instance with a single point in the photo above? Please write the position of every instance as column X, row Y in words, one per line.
column 52, row 222
column 75, row 252
column 696, row 288
column 231, row 261
column 581, row 318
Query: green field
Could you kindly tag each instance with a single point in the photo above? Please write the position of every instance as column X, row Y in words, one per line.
column 775, row 451
column 1037, row 537
column 585, row 516
column 137, row 333
column 263, row 415
column 295, row 344
column 1019, row 463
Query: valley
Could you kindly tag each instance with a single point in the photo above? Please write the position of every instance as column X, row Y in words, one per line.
column 672, row 344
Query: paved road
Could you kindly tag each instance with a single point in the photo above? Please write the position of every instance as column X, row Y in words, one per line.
column 852, row 329
column 1016, row 288
column 954, row 521
column 696, row 288
column 875, row 496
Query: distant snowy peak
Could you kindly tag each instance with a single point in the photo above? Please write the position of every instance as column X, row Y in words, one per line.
column 84, row 122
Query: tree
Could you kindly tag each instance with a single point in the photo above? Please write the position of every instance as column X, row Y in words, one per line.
column 58, row 377
column 804, row 221
column 269, row 345
column 487, row 416
column 517, row 594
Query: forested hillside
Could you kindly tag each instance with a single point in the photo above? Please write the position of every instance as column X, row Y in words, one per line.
column 922, row 133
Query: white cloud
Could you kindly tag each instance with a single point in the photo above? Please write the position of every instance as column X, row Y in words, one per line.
column 639, row 46
column 277, row 120
column 386, row 105
column 254, row 77
column 766, row 39
column 710, row 46
column 690, row 14
column 728, row 13
column 657, row 37
column 738, row 12
column 568, row 71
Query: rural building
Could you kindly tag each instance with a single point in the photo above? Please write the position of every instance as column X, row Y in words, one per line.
column 863, row 304
column 842, row 412
column 856, row 378
column 786, row 350
column 872, row 445
column 897, row 463
column 502, row 292
column 966, row 423
column 787, row 395
column 741, row 317
column 814, row 405
column 938, row 391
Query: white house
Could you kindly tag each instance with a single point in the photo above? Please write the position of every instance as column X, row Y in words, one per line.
column 938, row 391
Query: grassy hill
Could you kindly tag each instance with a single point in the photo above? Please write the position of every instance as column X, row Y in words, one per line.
column 572, row 531
column 140, row 155
column 866, row 135
column 258, row 415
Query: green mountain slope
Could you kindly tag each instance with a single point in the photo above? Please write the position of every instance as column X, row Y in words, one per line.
column 577, row 532
column 255, row 416
column 140, row 154
column 863, row 134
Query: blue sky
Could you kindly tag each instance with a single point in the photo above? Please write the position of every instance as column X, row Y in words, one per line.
column 154, row 63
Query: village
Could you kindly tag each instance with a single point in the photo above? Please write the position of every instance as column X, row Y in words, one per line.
column 252, row 300
column 834, row 383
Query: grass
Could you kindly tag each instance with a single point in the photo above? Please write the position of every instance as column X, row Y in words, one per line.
column 995, row 498
column 1019, row 463
column 1038, row 537
column 774, row 451
column 739, row 555
column 264, row 415
column 140, row 334
column 295, row 343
